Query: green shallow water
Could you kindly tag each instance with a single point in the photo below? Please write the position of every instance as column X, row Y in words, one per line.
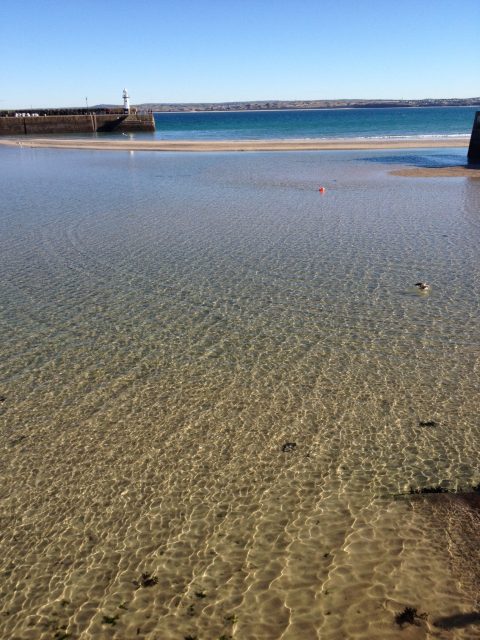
column 168, row 322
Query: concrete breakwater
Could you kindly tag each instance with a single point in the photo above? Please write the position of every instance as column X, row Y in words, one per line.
column 89, row 123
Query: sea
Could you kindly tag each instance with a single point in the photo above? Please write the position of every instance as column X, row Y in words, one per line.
column 368, row 123
column 222, row 397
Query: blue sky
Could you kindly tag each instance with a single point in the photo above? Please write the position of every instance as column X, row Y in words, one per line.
column 57, row 53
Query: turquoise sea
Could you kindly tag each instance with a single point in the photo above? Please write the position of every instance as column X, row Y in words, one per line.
column 318, row 123
column 218, row 388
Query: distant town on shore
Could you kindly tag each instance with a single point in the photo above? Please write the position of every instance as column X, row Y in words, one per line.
column 264, row 105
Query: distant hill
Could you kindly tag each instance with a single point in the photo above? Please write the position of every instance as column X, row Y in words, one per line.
column 264, row 105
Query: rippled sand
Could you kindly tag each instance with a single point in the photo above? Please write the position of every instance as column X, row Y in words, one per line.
column 168, row 324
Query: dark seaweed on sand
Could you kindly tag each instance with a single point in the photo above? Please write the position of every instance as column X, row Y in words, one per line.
column 146, row 580
column 409, row 616
column 428, row 490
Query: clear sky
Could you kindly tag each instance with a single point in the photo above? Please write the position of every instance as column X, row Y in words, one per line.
column 57, row 53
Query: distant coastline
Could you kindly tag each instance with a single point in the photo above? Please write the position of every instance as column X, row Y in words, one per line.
column 278, row 105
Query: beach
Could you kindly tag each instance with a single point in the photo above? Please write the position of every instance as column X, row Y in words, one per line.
column 236, row 145
column 220, row 388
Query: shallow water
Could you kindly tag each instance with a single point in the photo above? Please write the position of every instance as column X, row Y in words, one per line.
column 168, row 323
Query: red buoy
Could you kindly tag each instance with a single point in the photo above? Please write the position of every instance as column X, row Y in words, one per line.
column 322, row 189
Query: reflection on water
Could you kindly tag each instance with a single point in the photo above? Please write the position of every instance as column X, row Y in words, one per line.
column 168, row 323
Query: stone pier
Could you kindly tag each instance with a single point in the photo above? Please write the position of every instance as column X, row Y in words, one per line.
column 91, row 123
column 474, row 148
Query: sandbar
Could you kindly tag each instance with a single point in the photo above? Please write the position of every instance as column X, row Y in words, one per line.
column 236, row 145
column 459, row 171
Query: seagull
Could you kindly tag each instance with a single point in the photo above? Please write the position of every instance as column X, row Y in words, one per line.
column 423, row 286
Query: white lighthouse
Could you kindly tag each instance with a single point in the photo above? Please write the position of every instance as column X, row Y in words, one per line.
column 126, row 102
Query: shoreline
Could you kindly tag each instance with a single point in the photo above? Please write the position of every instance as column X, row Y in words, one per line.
column 236, row 146
column 343, row 144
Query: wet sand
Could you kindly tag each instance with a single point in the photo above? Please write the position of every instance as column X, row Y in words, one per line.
column 439, row 172
column 235, row 145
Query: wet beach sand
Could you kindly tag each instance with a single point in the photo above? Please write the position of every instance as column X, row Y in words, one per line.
column 459, row 171
column 218, row 389
column 235, row 145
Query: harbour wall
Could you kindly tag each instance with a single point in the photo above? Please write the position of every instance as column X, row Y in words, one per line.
column 92, row 123
column 474, row 148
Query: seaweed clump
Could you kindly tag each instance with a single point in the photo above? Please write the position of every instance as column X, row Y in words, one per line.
column 146, row 580
column 428, row 423
column 409, row 616
column 231, row 618
column 438, row 489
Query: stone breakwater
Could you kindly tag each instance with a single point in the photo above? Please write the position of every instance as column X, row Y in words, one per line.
column 91, row 123
column 474, row 148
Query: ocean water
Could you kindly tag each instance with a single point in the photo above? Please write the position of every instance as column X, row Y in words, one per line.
column 169, row 322
column 318, row 123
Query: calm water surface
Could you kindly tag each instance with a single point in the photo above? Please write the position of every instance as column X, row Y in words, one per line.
column 317, row 123
column 168, row 323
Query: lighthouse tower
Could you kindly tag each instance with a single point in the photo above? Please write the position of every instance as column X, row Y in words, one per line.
column 126, row 101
